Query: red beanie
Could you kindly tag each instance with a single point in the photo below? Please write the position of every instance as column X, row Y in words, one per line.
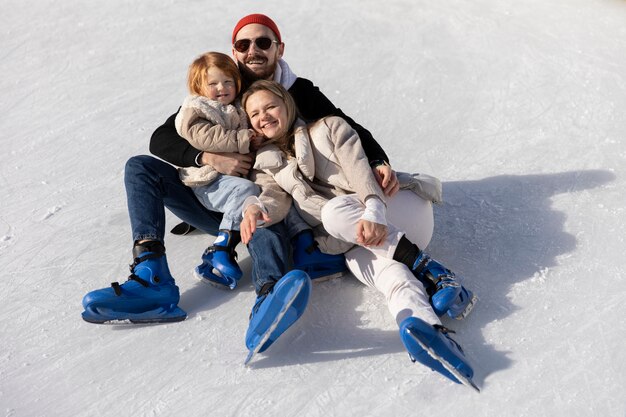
column 261, row 19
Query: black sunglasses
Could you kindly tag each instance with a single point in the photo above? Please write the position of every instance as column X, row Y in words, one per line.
column 242, row 45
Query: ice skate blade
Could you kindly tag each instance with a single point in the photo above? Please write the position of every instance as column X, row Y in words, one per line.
column 214, row 284
column 274, row 324
column 157, row 316
column 455, row 372
column 328, row 277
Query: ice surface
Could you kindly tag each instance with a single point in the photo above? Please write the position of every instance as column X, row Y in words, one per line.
column 518, row 107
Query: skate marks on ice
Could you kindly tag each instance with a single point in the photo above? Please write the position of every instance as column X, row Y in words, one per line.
column 331, row 329
column 497, row 233
column 7, row 234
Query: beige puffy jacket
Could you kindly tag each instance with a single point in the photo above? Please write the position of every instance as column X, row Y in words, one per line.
column 213, row 127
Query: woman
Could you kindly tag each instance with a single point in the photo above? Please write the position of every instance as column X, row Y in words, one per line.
column 323, row 168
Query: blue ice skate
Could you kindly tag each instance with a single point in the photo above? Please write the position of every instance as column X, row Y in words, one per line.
column 219, row 266
column 275, row 311
column 433, row 347
column 318, row 265
column 439, row 281
column 150, row 294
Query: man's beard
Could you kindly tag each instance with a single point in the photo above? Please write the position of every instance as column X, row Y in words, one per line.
column 250, row 76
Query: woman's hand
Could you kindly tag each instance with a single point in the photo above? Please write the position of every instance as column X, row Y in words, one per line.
column 248, row 225
column 370, row 233
column 228, row 163
column 387, row 179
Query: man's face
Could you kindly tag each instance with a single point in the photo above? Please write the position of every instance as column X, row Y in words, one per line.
column 256, row 63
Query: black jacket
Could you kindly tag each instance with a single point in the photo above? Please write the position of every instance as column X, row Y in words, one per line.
column 312, row 105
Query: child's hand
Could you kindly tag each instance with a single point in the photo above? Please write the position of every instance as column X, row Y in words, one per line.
column 256, row 140
column 249, row 223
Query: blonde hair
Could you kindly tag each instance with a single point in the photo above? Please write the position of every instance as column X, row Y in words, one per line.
column 285, row 141
column 197, row 76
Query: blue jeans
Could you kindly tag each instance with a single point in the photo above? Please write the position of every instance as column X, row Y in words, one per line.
column 226, row 195
column 151, row 185
column 294, row 223
column 269, row 251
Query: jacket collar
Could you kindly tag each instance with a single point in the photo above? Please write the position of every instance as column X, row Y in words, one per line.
column 271, row 157
column 268, row 157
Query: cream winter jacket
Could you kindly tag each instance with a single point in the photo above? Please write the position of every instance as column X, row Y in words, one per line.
column 329, row 161
column 213, row 127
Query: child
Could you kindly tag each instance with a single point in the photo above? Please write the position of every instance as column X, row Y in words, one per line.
column 212, row 120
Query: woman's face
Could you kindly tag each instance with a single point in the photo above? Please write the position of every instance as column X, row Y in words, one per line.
column 267, row 113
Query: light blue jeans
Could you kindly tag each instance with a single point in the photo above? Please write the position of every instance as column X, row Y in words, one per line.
column 226, row 195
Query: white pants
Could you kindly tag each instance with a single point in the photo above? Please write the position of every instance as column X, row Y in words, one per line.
column 407, row 214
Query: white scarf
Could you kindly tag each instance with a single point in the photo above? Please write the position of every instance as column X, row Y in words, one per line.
column 283, row 75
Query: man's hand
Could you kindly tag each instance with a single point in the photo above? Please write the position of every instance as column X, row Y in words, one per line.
column 228, row 163
column 256, row 140
column 370, row 233
column 248, row 224
column 387, row 179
